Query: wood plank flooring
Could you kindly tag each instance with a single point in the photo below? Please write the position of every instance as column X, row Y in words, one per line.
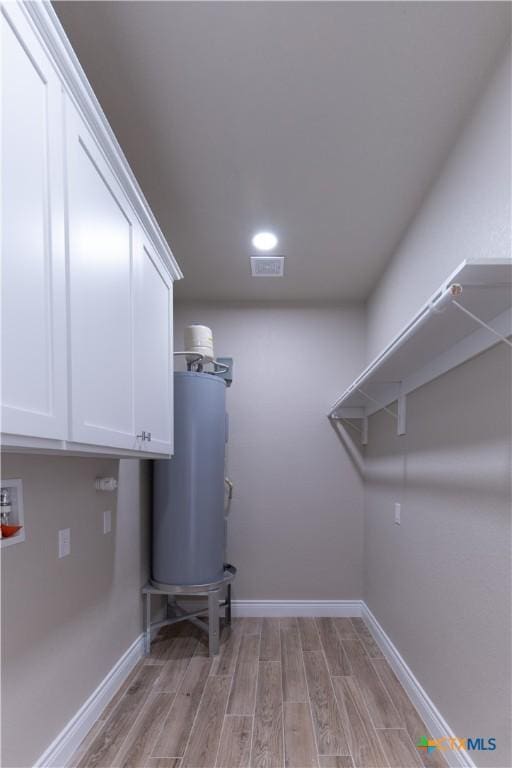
column 282, row 693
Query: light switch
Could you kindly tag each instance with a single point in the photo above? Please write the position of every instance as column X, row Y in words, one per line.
column 64, row 542
column 107, row 521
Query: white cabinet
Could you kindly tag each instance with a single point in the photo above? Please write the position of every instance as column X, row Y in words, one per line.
column 34, row 385
column 87, row 276
column 153, row 351
column 120, row 310
column 102, row 228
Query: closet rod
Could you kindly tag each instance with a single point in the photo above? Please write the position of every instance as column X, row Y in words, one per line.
column 348, row 423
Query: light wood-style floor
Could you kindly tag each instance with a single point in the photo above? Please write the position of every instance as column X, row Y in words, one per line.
column 283, row 693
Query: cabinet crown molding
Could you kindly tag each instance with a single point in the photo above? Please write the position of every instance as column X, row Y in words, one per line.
column 47, row 26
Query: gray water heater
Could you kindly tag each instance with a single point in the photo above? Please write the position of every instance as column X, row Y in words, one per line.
column 188, row 490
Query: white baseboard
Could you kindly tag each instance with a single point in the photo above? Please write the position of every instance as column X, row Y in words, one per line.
column 434, row 721
column 69, row 739
column 274, row 608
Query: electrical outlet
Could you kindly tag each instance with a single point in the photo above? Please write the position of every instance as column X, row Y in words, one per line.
column 398, row 510
column 64, row 542
column 107, row 521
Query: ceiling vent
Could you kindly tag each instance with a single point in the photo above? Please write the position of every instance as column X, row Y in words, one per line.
column 267, row 266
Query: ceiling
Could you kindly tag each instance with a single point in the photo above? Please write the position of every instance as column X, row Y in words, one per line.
column 324, row 122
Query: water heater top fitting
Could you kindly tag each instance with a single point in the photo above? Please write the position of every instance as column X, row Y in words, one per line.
column 199, row 340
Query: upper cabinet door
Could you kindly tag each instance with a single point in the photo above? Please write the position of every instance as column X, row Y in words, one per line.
column 101, row 231
column 34, row 378
column 153, row 352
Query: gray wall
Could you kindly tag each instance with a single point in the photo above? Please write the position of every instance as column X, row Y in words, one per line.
column 440, row 583
column 296, row 528
column 296, row 524
column 65, row 623
column 466, row 216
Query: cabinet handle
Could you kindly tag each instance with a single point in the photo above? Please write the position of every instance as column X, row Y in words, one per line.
column 144, row 436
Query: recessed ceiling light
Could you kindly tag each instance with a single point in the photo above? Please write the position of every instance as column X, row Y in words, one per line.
column 264, row 241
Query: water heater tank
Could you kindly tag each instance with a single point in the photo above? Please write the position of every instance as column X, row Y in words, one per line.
column 188, row 492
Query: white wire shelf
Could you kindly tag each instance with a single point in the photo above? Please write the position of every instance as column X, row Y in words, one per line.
column 469, row 313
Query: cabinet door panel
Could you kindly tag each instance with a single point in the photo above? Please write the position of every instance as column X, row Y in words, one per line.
column 153, row 350
column 34, row 378
column 100, row 233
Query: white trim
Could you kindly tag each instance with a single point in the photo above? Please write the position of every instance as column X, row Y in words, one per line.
column 434, row 721
column 46, row 24
column 267, row 608
column 69, row 739
column 11, row 443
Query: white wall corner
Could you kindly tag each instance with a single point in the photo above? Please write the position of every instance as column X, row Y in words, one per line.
column 69, row 739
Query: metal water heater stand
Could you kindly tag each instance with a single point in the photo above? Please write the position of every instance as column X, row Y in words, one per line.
column 212, row 591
